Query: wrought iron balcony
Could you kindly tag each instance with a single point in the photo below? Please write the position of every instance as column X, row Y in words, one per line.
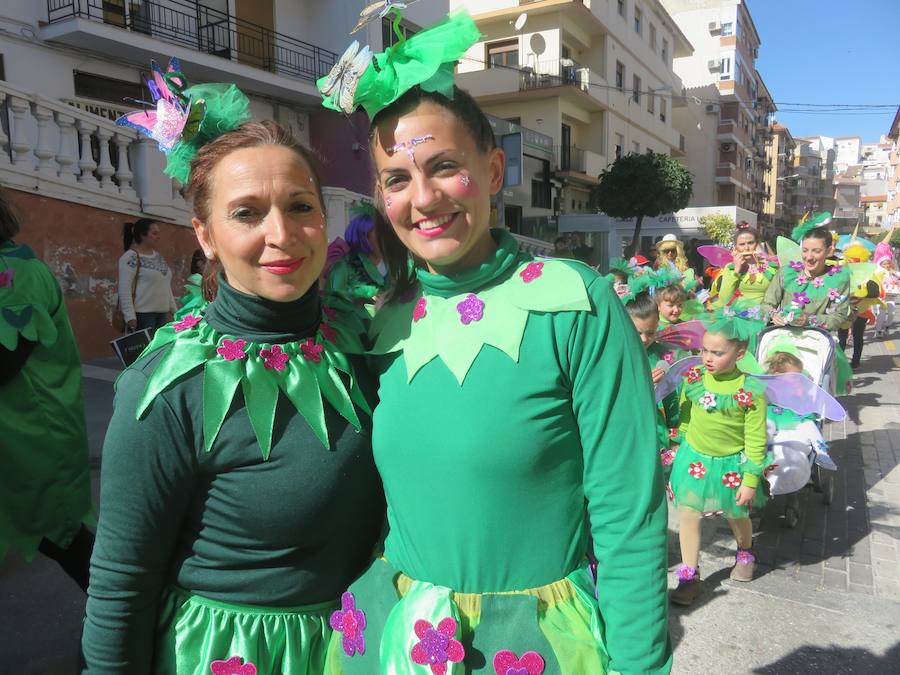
column 554, row 74
column 207, row 30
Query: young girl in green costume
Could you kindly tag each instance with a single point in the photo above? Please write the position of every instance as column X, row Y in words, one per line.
column 749, row 274
column 720, row 460
column 507, row 430
column 45, row 489
column 238, row 489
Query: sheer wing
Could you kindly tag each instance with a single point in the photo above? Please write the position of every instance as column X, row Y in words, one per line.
column 718, row 256
column 686, row 335
column 788, row 251
column 672, row 378
column 797, row 392
column 336, row 74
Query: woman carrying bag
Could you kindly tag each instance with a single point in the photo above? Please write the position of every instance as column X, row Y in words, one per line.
column 145, row 280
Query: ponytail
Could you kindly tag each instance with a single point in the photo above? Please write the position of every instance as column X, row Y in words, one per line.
column 136, row 231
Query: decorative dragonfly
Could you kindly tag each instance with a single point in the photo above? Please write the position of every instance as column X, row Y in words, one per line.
column 175, row 116
column 343, row 79
column 379, row 10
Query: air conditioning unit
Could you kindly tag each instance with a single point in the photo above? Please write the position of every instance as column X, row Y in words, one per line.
column 714, row 64
column 726, row 147
column 715, row 27
column 712, row 108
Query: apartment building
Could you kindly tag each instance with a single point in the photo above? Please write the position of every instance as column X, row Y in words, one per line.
column 846, row 212
column 873, row 208
column 596, row 77
column 847, row 152
column 892, row 206
column 777, row 207
column 825, row 146
column 68, row 68
column 725, row 122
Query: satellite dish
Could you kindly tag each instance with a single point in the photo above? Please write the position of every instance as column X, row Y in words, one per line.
column 520, row 21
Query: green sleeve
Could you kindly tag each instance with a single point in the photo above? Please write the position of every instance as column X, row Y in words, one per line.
column 613, row 403
column 672, row 409
column 147, row 481
column 774, row 294
column 755, row 438
column 336, row 281
column 841, row 311
column 729, row 284
column 684, row 414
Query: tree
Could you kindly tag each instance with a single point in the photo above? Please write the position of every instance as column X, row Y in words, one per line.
column 719, row 227
column 635, row 186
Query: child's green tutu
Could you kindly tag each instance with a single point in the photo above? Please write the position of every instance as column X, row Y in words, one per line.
column 710, row 484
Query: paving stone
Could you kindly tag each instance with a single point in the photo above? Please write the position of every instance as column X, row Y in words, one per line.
column 886, row 571
column 861, row 574
column 836, row 563
column 883, row 552
column 888, row 590
column 835, row 580
column 858, row 588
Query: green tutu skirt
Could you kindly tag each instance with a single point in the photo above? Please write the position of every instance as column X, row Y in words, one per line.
column 390, row 623
column 195, row 634
column 709, row 484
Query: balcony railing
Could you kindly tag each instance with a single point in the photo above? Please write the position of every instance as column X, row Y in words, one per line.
column 570, row 158
column 554, row 74
column 206, row 30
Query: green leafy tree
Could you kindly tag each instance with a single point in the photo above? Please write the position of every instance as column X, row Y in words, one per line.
column 636, row 186
column 895, row 237
column 719, row 227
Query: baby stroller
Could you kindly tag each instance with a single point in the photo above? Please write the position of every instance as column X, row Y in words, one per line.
column 817, row 352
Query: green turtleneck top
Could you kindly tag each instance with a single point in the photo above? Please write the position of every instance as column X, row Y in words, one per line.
column 495, row 484
column 227, row 524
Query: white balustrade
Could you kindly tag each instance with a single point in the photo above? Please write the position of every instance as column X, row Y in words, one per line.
column 20, row 144
column 105, row 169
column 123, row 171
column 86, row 162
column 44, row 150
column 68, row 144
column 4, row 139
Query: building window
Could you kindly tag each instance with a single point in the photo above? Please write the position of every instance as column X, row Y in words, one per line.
column 653, row 37
column 725, row 69
column 662, row 109
column 388, row 38
column 636, row 88
column 636, row 147
column 638, row 21
column 99, row 88
column 651, row 103
column 622, row 8
column 664, row 53
column 502, row 54
column 620, row 145
column 727, row 28
column 620, row 75
column 514, row 120
column 540, row 193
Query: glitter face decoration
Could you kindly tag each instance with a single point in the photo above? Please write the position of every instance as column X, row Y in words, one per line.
column 464, row 179
column 409, row 147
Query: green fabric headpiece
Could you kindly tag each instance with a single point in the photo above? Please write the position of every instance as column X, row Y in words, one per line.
column 804, row 226
column 739, row 321
column 427, row 59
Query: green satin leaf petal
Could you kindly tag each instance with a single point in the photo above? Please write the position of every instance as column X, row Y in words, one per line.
column 302, row 388
column 391, row 326
column 332, row 388
column 9, row 336
column 183, row 358
column 220, row 381
column 260, row 389
column 339, row 361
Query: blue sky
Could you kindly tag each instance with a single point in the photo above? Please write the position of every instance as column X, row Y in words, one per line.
column 830, row 51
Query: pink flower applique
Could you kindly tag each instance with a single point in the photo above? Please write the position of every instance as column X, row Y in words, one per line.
column 732, row 479
column 329, row 312
column 835, row 269
column 532, row 271
column 351, row 622
column 275, row 358
column 745, row 556
column 818, row 282
column 6, row 277
column 232, row 350
column 507, row 663
column 694, row 375
column 419, row 311
column 696, row 470
column 801, row 299
column 708, row 401
column 685, row 572
column 802, row 279
column 233, row 666
column 187, row 322
column 471, row 309
column 436, row 647
column 833, row 294
column 667, row 455
column 669, row 357
column 744, row 398
column 673, row 433
column 796, row 265
column 328, row 332
column 311, row 350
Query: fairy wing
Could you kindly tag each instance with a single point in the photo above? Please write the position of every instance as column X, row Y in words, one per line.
column 797, row 392
column 369, row 13
column 860, row 273
column 788, row 251
column 193, row 116
column 333, row 79
column 350, row 81
column 672, row 378
column 718, row 256
column 685, row 335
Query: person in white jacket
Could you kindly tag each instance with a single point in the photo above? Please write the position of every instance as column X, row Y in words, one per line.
column 145, row 280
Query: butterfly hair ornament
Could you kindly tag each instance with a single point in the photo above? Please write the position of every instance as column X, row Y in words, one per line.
column 183, row 119
column 427, row 59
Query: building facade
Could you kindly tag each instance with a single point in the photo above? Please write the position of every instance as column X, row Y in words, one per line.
column 847, row 152
column 892, row 206
column 595, row 77
column 780, row 177
column 726, row 117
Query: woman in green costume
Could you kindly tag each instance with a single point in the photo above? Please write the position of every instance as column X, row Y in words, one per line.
column 238, row 488
column 359, row 273
column 515, row 421
column 750, row 273
column 45, row 490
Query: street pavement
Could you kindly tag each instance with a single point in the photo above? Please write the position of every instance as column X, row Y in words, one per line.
column 826, row 599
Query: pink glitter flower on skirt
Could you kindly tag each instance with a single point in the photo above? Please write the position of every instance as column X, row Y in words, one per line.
column 233, row 666
column 437, row 647
column 351, row 622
